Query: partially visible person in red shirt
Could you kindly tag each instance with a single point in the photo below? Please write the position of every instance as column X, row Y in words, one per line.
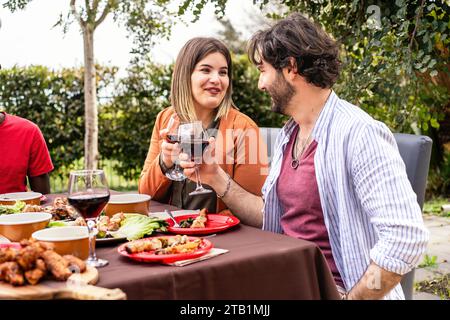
column 23, row 153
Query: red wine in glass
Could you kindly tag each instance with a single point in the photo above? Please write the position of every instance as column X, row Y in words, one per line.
column 88, row 194
column 89, row 205
column 194, row 148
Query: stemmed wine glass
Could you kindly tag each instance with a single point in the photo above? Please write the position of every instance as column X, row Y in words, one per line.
column 175, row 173
column 194, row 140
column 88, row 194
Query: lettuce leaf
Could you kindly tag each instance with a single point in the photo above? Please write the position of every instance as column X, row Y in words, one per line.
column 15, row 208
column 136, row 226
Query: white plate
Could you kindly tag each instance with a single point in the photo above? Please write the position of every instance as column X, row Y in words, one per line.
column 110, row 240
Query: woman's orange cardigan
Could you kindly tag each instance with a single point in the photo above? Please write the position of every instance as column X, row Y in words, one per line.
column 235, row 143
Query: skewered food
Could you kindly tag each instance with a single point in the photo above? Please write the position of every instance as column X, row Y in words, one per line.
column 198, row 222
column 60, row 209
column 144, row 245
column 164, row 245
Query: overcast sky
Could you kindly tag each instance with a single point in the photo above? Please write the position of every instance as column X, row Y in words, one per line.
column 27, row 37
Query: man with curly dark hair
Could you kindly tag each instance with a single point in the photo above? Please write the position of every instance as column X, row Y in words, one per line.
column 336, row 178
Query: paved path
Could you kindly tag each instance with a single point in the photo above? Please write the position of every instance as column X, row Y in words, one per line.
column 439, row 246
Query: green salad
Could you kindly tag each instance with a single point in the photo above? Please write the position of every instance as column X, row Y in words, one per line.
column 15, row 208
column 134, row 226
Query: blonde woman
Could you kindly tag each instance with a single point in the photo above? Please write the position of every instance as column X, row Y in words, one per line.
column 201, row 91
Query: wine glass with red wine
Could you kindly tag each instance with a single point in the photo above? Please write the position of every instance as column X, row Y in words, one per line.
column 193, row 141
column 175, row 173
column 88, row 194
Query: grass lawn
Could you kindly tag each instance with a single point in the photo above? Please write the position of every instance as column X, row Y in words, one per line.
column 434, row 207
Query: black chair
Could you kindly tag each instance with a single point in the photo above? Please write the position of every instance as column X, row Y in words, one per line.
column 415, row 151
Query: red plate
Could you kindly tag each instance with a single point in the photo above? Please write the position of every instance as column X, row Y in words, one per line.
column 150, row 256
column 216, row 223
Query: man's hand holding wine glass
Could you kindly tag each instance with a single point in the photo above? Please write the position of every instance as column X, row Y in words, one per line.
column 209, row 167
column 169, row 150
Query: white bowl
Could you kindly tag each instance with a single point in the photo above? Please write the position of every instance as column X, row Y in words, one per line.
column 27, row 197
column 66, row 240
column 18, row 226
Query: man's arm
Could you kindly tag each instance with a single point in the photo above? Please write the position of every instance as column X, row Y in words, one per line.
column 245, row 205
column 375, row 283
column 40, row 183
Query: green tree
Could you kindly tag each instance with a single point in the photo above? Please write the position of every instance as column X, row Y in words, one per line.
column 142, row 19
column 395, row 58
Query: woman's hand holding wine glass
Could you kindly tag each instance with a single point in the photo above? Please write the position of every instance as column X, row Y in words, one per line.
column 170, row 149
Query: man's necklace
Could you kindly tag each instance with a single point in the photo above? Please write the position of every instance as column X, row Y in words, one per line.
column 295, row 156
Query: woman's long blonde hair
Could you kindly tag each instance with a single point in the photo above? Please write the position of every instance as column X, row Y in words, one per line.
column 181, row 90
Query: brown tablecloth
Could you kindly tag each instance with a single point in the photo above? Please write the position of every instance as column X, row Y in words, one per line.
column 260, row 265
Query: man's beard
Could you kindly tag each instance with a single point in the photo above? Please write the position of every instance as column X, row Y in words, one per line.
column 281, row 93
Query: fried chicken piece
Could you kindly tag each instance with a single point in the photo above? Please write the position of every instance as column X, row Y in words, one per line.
column 33, row 276
column 57, row 265
column 8, row 254
column 10, row 272
column 28, row 255
column 27, row 242
column 38, row 244
column 46, row 245
column 75, row 263
column 32, row 208
column 60, row 201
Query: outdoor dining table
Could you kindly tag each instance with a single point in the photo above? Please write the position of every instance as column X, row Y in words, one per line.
column 260, row 265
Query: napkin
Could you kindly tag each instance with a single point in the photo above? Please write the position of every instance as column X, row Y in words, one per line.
column 211, row 254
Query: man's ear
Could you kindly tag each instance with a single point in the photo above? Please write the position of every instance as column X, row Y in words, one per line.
column 291, row 69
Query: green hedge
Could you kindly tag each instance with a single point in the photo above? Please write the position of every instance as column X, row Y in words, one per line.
column 54, row 100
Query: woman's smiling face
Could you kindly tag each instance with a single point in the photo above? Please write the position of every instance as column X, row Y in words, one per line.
column 210, row 81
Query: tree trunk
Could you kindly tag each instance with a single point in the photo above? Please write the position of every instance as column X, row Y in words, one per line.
column 90, row 102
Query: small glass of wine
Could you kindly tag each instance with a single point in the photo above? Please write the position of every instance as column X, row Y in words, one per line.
column 88, row 194
column 175, row 173
column 193, row 141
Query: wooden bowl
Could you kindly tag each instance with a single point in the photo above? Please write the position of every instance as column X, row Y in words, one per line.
column 128, row 203
column 27, row 197
column 20, row 226
column 66, row 240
